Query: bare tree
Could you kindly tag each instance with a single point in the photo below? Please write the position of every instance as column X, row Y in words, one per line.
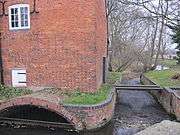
column 136, row 31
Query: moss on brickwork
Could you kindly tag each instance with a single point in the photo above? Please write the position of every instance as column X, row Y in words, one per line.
column 9, row 92
column 80, row 98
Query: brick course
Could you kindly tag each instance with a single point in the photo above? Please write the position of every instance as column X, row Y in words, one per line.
column 64, row 47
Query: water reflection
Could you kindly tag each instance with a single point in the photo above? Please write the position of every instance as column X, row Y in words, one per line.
column 34, row 131
column 107, row 130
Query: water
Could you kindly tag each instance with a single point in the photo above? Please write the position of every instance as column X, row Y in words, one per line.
column 33, row 131
column 135, row 110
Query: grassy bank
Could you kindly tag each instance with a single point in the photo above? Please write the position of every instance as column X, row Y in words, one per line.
column 101, row 95
column 8, row 92
column 164, row 78
column 168, row 63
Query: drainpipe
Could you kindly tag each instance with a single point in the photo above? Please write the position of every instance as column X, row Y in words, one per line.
column 107, row 27
column 1, row 61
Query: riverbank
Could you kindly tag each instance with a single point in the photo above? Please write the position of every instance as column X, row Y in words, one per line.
column 169, row 80
column 167, row 77
column 168, row 98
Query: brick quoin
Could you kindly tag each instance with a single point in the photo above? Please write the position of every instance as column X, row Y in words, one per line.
column 64, row 47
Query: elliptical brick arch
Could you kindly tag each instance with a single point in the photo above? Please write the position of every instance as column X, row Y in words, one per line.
column 46, row 104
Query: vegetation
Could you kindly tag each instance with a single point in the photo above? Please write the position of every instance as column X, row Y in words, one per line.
column 101, row 95
column 168, row 63
column 139, row 32
column 9, row 92
column 113, row 77
column 176, row 38
column 88, row 98
column 165, row 78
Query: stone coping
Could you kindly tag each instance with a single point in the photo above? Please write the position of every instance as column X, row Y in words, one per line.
column 168, row 89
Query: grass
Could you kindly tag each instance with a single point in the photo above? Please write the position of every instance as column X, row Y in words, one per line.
column 164, row 78
column 9, row 92
column 113, row 77
column 168, row 63
column 80, row 98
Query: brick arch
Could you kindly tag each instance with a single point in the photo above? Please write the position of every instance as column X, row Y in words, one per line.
column 51, row 106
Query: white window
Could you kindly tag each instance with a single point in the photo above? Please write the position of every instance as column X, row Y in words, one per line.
column 19, row 78
column 19, row 17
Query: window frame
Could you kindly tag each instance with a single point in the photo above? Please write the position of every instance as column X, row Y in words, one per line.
column 19, row 6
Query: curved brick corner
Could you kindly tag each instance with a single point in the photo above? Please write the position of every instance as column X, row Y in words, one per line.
column 52, row 106
column 95, row 116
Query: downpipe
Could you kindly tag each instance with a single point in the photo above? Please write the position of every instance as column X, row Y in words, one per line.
column 1, row 61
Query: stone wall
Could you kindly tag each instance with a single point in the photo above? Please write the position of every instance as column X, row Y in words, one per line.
column 168, row 98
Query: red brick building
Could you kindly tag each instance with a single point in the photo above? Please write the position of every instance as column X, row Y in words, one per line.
column 53, row 43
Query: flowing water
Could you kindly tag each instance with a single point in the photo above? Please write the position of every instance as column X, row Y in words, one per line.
column 135, row 110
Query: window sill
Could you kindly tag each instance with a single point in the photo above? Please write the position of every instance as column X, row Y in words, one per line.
column 18, row 29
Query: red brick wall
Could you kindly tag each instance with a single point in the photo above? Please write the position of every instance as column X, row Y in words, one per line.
column 64, row 47
column 101, row 37
column 95, row 116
